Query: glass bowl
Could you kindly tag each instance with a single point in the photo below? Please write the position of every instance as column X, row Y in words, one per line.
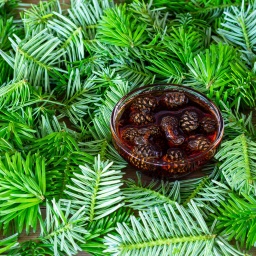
column 155, row 166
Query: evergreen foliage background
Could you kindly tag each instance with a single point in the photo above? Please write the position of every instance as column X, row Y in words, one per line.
column 62, row 72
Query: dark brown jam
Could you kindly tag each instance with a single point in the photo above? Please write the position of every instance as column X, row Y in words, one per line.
column 169, row 127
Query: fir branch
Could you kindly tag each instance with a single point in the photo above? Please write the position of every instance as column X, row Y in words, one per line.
column 113, row 155
column 139, row 196
column 8, row 8
column 23, row 189
column 48, row 125
column 7, row 28
column 7, row 147
column 100, row 128
column 62, row 169
column 191, row 189
column 105, row 150
column 36, row 18
column 118, row 27
column 97, row 229
column 209, row 70
column 167, row 68
column 173, row 6
column 238, row 163
column 237, row 219
column 102, row 55
column 67, row 169
column 243, row 82
column 212, row 10
column 88, row 14
column 36, row 57
column 97, row 188
column 203, row 8
column 155, row 19
column 8, row 59
column 62, row 230
column 184, row 43
column 215, row 74
column 239, row 27
column 203, row 189
column 110, row 80
column 187, row 20
column 71, row 36
column 237, row 123
column 135, row 72
column 168, row 231
column 15, row 94
column 207, row 194
column 95, row 147
column 56, row 145
column 65, row 157
column 17, row 127
column 43, row 104
column 31, row 248
column 115, row 92
column 101, row 122
column 8, row 243
column 80, row 97
column 6, row 70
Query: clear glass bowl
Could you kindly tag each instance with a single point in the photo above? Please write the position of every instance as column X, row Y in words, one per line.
column 160, row 168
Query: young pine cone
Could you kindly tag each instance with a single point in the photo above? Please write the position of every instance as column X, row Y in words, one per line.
column 146, row 151
column 176, row 168
column 148, row 133
column 140, row 140
column 189, row 121
column 174, row 99
column 141, row 118
column 129, row 134
column 169, row 125
column 144, row 103
column 141, row 163
column 153, row 130
column 208, row 124
column 141, row 136
column 174, row 154
column 198, row 143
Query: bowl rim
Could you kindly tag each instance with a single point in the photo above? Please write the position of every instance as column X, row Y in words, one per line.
column 218, row 139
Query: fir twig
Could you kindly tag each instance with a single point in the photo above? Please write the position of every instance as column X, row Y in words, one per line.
column 141, row 196
column 118, row 27
column 238, row 163
column 239, row 26
column 237, row 219
column 168, row 231
column 23, row 189
column 8, row 243
column 62, row 230
column 97, row 188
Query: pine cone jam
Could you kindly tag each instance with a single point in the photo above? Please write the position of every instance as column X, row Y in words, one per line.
column 167, row 131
